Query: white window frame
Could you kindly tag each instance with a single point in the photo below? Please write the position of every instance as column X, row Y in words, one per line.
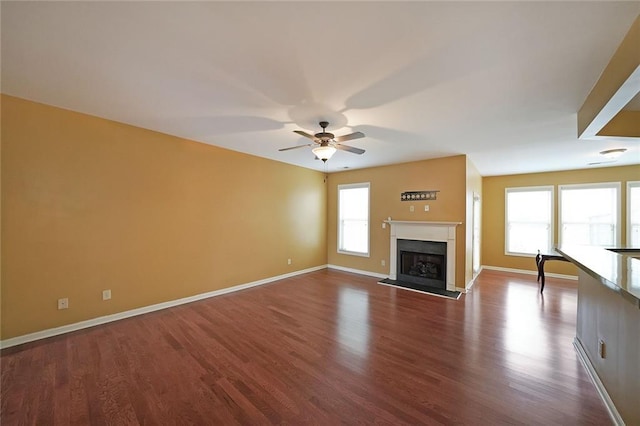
column 353, row 186
column 549, row 188
column 630, row 184
column 614, row 185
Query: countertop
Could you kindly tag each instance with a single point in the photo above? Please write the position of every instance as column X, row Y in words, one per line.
column 614, row 268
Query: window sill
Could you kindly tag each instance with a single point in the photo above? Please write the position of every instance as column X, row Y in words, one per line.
column 353, row 253
column 523, row 254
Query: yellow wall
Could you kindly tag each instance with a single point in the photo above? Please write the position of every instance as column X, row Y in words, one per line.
column 387, row 183
column 493, row 210
column 90, row 204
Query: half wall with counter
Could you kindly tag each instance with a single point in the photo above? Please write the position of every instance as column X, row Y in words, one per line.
column 608, row 324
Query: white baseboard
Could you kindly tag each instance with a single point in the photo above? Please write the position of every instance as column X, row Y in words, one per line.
column 527, row 272
column 602, row 391
column 358, row 271
column 14, row 341
column 472, row 282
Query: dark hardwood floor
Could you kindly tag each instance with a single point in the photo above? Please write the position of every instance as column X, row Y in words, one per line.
column 323, row 348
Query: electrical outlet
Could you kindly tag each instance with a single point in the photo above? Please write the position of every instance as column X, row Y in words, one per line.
column 426, row 207
column 106, row 294
column 288, row 261
column 383, row 262
column 63, row 303
column 411, row 208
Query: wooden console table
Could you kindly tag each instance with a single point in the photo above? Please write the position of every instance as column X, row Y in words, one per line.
column 540, row 260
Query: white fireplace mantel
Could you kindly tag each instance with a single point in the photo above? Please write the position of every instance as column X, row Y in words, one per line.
column 424, row 231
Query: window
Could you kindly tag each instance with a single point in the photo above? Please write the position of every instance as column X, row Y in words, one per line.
column 633, row 214
column 353, row 219
column 589, row 214
column 529, row 220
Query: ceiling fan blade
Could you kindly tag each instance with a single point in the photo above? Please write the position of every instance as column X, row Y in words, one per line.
column 295, row 147
column 305, row 134
column 356, row 135
column 350, row 149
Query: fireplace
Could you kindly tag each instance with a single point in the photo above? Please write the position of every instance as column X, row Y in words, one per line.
column 422, row 262
column 441, row 233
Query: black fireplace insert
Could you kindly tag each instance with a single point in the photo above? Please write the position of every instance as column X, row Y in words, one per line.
column 422, row 262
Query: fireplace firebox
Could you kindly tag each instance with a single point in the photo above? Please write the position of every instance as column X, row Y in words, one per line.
column 422, row 262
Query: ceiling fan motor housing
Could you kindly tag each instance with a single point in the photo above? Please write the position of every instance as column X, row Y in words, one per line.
column 324, row 136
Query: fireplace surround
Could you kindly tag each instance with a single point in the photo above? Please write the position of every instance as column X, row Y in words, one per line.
column 442, row 234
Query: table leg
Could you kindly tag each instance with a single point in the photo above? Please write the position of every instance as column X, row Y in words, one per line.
column 540, row 264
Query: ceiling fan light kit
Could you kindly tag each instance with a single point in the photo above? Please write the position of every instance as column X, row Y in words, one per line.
column 324, row 152
column 327, row 143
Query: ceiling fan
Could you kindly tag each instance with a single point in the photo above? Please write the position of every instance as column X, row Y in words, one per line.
column 325, row 143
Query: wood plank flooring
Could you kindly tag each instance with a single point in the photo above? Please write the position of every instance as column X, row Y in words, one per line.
column 323, row 348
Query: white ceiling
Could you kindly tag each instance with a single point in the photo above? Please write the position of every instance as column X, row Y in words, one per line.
column 499, row 81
